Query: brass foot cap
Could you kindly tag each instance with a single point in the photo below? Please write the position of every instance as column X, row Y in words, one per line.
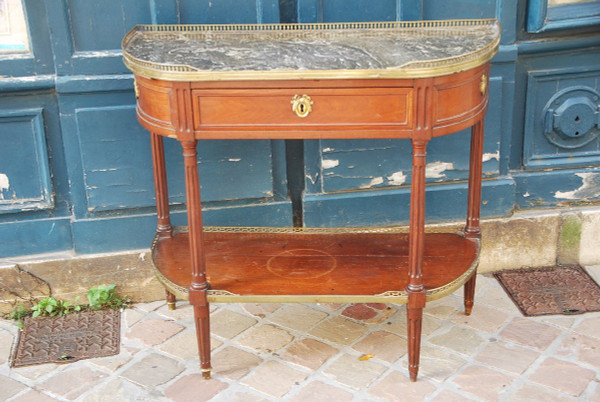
column 172, row 306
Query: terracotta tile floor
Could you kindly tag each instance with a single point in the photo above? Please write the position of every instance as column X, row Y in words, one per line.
column 310, row 352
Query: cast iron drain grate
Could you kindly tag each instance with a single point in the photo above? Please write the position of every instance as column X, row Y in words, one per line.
column 69, row 338
column 551, row 290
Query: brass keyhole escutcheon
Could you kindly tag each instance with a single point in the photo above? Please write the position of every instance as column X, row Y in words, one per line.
column 301, row 105
column 483, row 84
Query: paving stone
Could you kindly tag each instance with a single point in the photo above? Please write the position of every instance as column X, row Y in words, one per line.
column 72, row 383
column 483, row 383
column 483, row 319
column 585, row 349
column 112, row 363
column 33, row 396
column 233, row 363
column 116, row 390
column 589, row 326
column 132, row 316
column 443, row 308
column 383, row 346
column 298, row 317
column 359, row 311
column 437, row 364
column 530, row 393
column 377, row 306
column 513, row 359
column 563, row 376
column 397, row 324
column 228, row 324
column 498, row 298
column 449, row 396
column 153, row 370
column 183, row 311
column 261, row 309
column 154, row 331
column 317, row 391
column 10, row 387
column 339, row 330
column 149, row 307
column 242, row 397
column 35, row 372
column 185, row 346
column 6, row 341
column 192, row 388
column 529, row 333
column 266, row 338
column 561, row 322
column 262, row 379
column 354, row 373
column 397, row 387
column 331, row 306
column 460, row 339
column 309, row 353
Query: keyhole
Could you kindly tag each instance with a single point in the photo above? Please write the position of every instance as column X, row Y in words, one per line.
column 576, row 132
column 576, row 118
column 301, row 107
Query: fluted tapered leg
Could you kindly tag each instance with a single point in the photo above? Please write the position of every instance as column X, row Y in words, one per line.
column 472, row 229
column 416, row 243
column 199, row 286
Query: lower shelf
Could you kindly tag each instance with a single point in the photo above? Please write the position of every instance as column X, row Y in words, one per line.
column 313, row 265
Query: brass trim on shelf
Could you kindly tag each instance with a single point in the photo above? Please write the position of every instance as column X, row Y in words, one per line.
column 392, row 296
column 414, row 69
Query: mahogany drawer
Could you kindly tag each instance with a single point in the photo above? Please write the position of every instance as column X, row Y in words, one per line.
column 271, row 109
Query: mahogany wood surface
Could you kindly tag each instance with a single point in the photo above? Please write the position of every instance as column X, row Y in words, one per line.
column 314, row 264
column 369, row 108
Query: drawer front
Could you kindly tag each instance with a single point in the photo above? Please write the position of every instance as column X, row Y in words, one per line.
column 270, row 109
column 459, row 96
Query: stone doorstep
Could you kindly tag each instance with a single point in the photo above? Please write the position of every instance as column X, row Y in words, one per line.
column 527, row 239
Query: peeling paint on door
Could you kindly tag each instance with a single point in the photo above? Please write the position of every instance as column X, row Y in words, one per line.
column 397, row 178
column 590, row 188
column 374, row 181
column 330, row 163
column 489, row 156
column 435, row 170
column 4, row 183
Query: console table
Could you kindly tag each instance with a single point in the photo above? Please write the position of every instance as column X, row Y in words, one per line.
column 411, row 80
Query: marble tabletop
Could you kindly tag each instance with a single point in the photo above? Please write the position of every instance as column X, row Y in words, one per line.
column 309, row 51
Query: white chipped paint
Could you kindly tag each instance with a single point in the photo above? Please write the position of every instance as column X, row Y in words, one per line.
column 374, row 181
column 330, row 163
column 142, row 257
column 397, row 178
column 327, row 149
column 488, row 156
column 527, row 194
column 234, row 159
column 590, row 188
column 313, row 181
column 4, row 182
column 435, row 170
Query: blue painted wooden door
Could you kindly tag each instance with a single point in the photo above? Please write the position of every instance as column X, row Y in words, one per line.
column 75, row 167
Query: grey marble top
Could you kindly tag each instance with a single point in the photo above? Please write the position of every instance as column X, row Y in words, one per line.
column 305, row 51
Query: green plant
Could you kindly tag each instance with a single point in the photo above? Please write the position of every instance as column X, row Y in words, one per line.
column 18, row 313
column 105, row 296
column 50, row 307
